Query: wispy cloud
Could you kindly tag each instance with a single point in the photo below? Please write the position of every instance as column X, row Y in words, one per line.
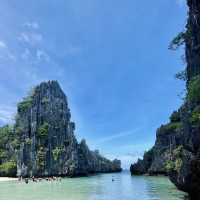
column 33, row 44
column 2, row 44
column 36, row 56
column 117, row 135
column 5, row 53
column 30, row 34
column 130, row 153
column 31, row 25
column 137, row 147
column 26, row 54
column 11, row 56
column 30, row 37
column 6, row 114
column 42, row 55
column 126, row 159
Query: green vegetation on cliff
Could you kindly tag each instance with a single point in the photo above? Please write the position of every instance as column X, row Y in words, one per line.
column 177, row 41
column 175, row 163
column 172, row 126
column 27, row 101
column 194, row 90
column 7, row 157
column 196, row 115
column 25, row 104
column 181, row 38
column 43, row 130
column 57, row 152
column 175, row 117
column 41, row 157
column 8, row 168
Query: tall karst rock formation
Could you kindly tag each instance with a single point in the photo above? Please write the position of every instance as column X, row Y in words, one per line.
column 177, row 148
column 47, row 144
column 192, row 39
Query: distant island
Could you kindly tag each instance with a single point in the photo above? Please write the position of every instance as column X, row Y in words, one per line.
column 42, row 141
column 176, row 152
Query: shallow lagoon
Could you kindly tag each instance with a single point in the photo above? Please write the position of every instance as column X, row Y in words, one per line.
column 98, row 187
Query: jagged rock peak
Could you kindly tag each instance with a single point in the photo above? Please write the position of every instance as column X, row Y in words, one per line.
column 52, row 86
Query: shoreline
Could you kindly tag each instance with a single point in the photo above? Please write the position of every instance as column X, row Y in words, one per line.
column 2, row 179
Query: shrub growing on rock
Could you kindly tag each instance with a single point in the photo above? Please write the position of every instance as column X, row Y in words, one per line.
column 195, row 118
column 25, row 104
column 170, row 128
column 177, row 41
column 178, row 164
column 41, row 157
column 8, row 169
column 56, row 153
column 43, row 130
column 175, row 117
column 194, row 90
column 169, row 165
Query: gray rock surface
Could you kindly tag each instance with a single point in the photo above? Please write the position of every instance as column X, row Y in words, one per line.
column 155, row 160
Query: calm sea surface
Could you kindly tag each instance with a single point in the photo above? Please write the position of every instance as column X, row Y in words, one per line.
column 99, row 187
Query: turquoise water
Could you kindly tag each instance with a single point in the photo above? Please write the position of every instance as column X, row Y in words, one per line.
column 99, row 187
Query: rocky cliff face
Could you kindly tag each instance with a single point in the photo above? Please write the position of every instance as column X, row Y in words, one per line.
column 168, row 138
column 187, row 177
column 192, row 39
column 46, row 137
column 177, row 148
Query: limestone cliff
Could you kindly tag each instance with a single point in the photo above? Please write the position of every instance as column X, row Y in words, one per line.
column 192, row 39
column 177, row 148
column 47, row 144
column 167, row 139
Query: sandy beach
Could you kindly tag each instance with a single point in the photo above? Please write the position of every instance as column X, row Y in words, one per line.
column 7, row 179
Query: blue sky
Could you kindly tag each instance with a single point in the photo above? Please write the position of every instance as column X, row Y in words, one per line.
column 110, row 57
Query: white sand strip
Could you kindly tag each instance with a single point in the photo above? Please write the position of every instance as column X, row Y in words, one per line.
column 7, row 179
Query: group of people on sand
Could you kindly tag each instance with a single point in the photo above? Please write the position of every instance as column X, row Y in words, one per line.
column 34, row 179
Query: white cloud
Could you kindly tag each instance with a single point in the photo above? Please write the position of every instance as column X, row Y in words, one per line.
column 30, row 38
column 7, row 114
column 42, row 55
column 33, row 25
column 2, row 44
column 5, row 53
column 117, row 135
column 137, row 147
column 126, row 159
column 11, row 56
column 30, row 33
column 24, row 37
column 26, row 54
column 35, row 56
